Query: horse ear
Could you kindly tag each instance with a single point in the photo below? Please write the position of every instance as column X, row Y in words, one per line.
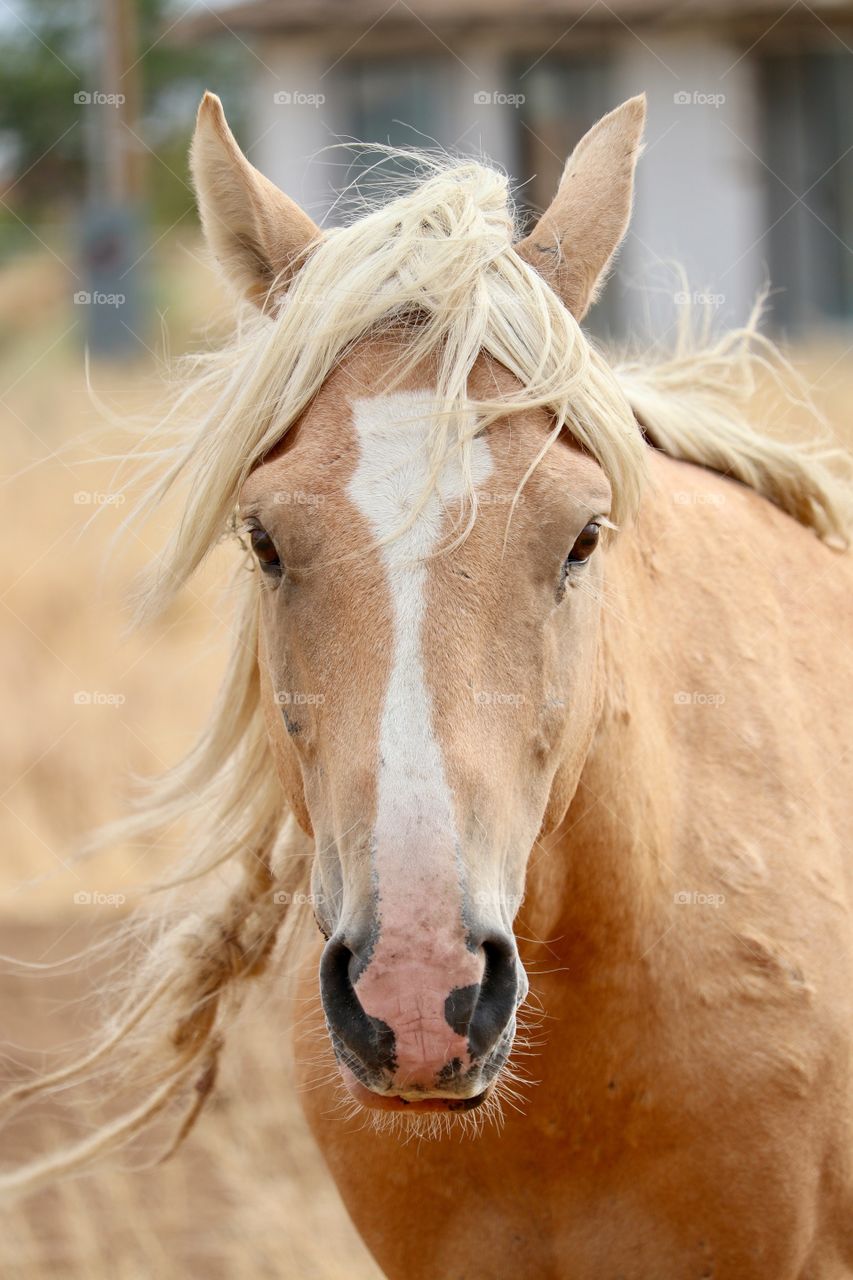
column 257, row 235
column 574, row 241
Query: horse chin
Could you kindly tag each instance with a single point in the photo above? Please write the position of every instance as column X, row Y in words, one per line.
column 413, row 1103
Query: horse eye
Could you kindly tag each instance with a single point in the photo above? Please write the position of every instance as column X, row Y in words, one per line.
column 264, row 548
column 585, row 544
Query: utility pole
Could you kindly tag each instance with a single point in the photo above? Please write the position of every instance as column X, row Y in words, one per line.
column 116, row 168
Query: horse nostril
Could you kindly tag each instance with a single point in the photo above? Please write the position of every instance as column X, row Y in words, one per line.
column 368, row 1041
column 415, row 1048
column 497, row 998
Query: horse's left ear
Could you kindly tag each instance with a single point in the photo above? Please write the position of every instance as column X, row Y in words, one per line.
column 574, row 241
column 258, row 235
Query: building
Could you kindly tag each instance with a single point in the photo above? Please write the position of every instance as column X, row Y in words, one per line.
column 748, row 169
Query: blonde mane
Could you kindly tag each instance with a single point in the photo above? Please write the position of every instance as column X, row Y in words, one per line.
column 437, row 267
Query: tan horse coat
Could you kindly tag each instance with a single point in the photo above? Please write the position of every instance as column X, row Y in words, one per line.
column 691, row 925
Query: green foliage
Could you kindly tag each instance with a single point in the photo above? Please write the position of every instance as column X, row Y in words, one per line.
column 50, row 50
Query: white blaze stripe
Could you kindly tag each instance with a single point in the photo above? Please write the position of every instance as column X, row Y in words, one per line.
column 414, row 803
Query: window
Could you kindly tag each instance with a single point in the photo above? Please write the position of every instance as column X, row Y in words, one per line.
column 808, row 126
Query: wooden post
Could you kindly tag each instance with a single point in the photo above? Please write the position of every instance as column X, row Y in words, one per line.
column 116, row 185
column 122, row 65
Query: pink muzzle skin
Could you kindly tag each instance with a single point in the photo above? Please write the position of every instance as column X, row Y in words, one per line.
column 410, row 995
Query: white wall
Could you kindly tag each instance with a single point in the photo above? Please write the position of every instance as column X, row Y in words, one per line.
column 699, row 195
column 287, row 138
column 472, row 125
column 296, row 112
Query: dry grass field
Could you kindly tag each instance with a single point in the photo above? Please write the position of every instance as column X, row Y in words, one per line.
column 85, row 704
column 247, row 1197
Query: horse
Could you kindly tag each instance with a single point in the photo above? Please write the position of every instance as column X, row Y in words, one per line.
column 541, row 678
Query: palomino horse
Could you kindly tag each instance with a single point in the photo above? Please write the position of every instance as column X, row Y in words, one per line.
column 507, row 646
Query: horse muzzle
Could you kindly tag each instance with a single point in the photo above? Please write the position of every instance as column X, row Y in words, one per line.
column 428, row 1031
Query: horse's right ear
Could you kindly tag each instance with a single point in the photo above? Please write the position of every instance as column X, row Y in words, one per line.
column 574, row 241
column 258, row 235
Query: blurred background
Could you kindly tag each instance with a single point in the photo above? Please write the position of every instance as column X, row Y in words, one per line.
column 747, row 177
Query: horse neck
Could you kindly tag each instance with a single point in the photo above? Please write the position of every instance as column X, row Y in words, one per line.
column 601, row 885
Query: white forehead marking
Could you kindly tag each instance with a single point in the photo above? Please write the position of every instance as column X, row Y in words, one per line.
column 414, row 805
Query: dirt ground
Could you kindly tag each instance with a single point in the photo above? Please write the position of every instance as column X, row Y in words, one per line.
column 246, row 1198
